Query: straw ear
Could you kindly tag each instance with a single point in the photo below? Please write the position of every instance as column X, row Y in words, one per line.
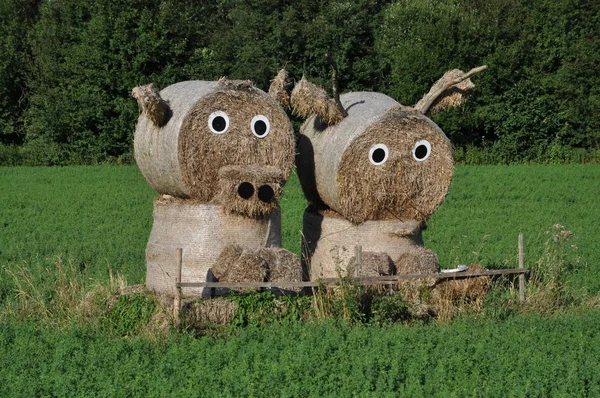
column 308, row 99
column 450, row 91
column 280, row 88
column 152, row 105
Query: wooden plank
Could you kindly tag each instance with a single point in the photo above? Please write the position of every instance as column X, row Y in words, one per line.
column 365, row 280
column 522, row 287
column 177, row 297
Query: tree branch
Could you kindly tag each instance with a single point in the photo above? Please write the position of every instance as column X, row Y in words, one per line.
column 335, row 84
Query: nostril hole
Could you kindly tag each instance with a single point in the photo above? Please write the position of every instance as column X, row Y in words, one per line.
column 246, row 190
column 266, row 193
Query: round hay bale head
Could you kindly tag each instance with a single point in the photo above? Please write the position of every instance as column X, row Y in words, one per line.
column 330, row 241
column 382, row 161
column 203, row 231
column 213, row 124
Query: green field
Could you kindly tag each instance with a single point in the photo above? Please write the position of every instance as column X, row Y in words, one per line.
column 97, row 219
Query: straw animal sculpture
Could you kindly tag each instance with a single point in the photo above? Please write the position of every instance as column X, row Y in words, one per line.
column 219, row 154
column 373, row 178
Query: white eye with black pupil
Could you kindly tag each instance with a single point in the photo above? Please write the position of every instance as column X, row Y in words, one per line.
column 260, row 126
column 218, row 122
column 421, row 150
column 379, row 154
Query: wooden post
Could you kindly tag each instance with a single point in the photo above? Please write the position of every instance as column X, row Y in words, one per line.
column 177, row 295
column 522, row 287
column 358, row 254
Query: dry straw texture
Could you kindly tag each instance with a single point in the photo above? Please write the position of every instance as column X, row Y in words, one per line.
column 203, row 153
column 283, row 265
column 373, row 264
column 334, row 165
column 202, row 314
column 330, row 242
column 183, row 157
column 202, row 231
column 280, row 88
column 452, row 97
column 235, row 264
column 452, row 296
column 151, row 104
column 308, row 99
column 266, row 186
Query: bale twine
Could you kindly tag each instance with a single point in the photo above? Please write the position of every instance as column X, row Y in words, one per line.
column 183, row 157
column 336, row 164
column 202, row 231
column 330, row 241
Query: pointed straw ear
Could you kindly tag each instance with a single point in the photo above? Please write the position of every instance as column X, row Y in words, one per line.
column 308, row 99
column 152, row 105
column 280, row 88
column 450, row 91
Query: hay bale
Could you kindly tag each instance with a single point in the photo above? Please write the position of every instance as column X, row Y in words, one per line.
column 183, row 157
column 308, row 99
column 203, row 231
column 283, row 265
column 335, row 162
column 204, row 313
column 418, row 260
column 373, row 264
column 330, row 241
column 250, row 190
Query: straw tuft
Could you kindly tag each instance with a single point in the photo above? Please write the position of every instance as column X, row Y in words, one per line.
column 152, row 105
column 280, row 88
column 308, row 99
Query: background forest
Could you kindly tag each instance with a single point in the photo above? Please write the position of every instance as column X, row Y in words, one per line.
column 67, row 67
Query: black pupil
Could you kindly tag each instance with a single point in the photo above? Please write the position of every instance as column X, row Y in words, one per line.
column 421, row 152
column 378, row 155
column 260, row 127
column 219, row 123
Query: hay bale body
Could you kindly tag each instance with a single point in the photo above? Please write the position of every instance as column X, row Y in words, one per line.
column 330, row 242
column 183, row 157
column 335, row 167
column 202, row 231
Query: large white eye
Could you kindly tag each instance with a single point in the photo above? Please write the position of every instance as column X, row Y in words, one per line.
column 379, row 154
column 218, row 122
column 260, row 126
column 421, row 150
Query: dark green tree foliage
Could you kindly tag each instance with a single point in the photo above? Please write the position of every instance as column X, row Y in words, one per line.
column 16, row 18
column 540, row 91
column 68, row 66
column 88, row 56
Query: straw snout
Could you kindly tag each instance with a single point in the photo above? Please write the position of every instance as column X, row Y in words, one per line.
column 250, row 190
